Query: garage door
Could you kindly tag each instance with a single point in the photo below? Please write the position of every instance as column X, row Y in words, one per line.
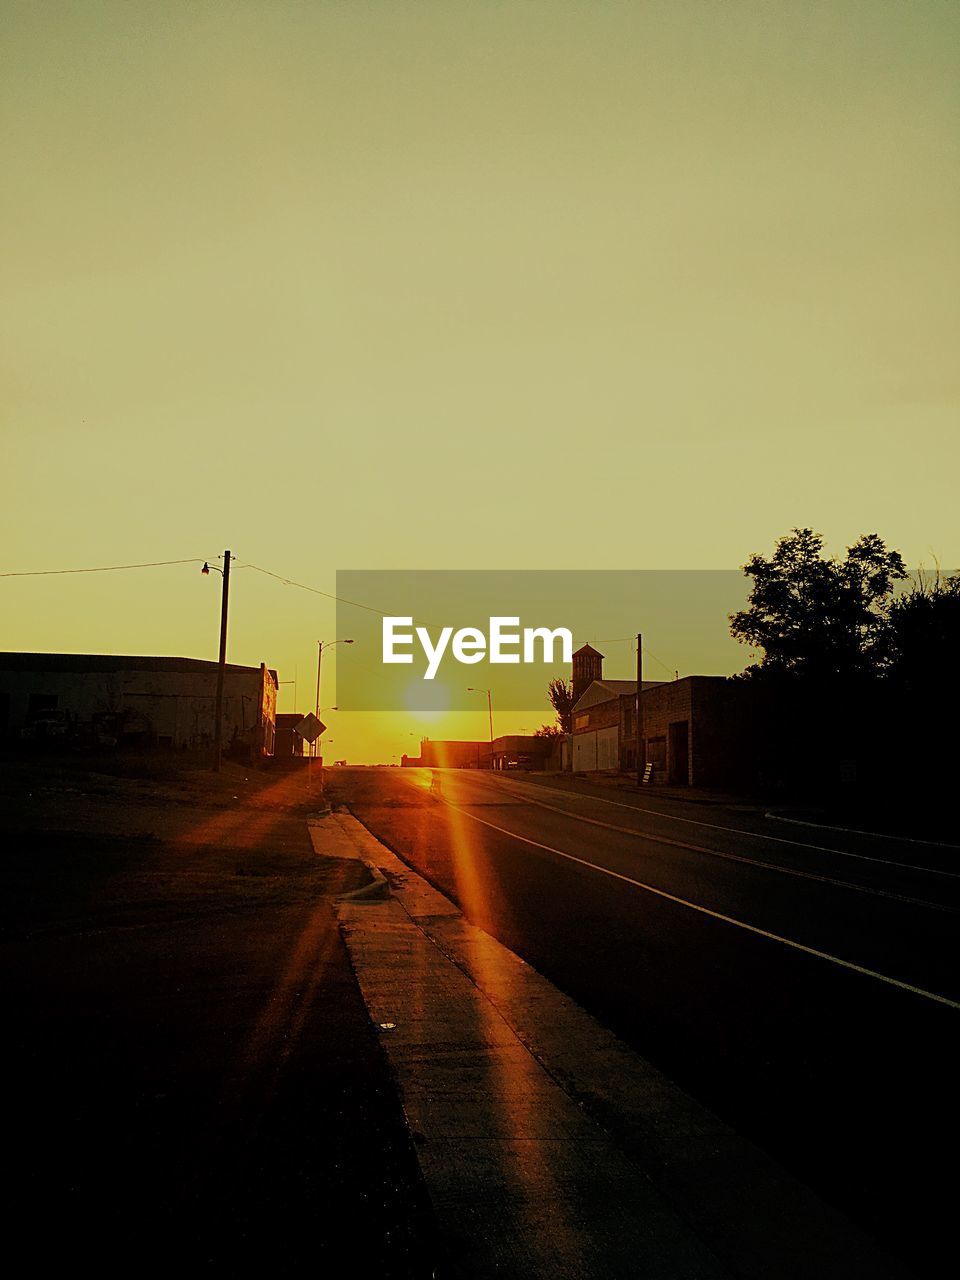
column 608, row 748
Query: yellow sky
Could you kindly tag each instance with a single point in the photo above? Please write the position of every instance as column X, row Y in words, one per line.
column 429, row 285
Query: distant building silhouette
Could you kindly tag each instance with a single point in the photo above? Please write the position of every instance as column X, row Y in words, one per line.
column 511, row 751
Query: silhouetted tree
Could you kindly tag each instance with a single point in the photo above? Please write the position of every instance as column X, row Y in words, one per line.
column 548, row 731
column 922, row 691
column 560, row 693
column 854, row 700
column 817, row 616
column 923, row 638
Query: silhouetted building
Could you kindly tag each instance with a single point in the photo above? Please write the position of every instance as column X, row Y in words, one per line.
column 288, row 742
column 511, row 751
column 449, row 754
column 521, row 751
column 121, row 700
column 694, row 729
column 587, row 667
column 604, row 725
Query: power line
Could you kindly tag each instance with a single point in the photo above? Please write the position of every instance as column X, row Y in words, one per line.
column 672, row 670
column 328, row 595
column 154, row 564
column 102, row 568
column 648, row 652
column 279, row 577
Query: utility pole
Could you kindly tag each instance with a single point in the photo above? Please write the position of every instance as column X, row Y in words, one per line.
column 222, row 668
column 317, row 746
column 471, row 689
column 319, row 659
column 641, row 745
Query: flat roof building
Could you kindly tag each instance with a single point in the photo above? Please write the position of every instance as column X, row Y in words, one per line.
column 693, row 728
column 121, row 699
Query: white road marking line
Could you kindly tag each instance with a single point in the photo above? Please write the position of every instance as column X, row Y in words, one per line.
column 740, row 857
column 718, row 915
column 758, row 835
column 855, row 831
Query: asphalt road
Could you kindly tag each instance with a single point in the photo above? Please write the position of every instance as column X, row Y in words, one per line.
column 801, row 982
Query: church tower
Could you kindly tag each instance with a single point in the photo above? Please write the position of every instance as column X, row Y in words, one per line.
column 587, row 667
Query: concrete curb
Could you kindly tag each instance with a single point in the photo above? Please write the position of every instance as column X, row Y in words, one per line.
column 347, row 847
column 376, row 891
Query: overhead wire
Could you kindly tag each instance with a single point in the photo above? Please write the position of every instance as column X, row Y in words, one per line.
column 279, row 577
column 102, row 568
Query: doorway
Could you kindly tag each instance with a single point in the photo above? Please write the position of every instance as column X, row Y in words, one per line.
column 679, row 754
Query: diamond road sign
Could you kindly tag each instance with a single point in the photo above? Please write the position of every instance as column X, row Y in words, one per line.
column 309, row 728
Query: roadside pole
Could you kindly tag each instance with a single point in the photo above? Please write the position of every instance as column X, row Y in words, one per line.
column 472, row 689
column 317, row 745
column 315, row 748
column 222, row 667
column 641, row 745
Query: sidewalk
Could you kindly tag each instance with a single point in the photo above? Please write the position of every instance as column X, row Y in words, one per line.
column 548, row 1148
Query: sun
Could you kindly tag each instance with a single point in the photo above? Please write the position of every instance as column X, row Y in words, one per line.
column 426, row 701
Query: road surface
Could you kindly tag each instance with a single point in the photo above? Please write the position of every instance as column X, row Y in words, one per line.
column 802, row 982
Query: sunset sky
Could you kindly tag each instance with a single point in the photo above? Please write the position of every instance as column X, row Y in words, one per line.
column 483, row 285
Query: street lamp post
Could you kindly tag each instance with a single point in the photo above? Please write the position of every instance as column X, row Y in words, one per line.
column 294, row 683
column 489, row 713
column 222, row 664
column 641, row 741
column 320, row 648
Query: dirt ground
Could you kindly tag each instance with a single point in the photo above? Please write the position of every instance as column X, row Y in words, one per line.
column 195, row 1078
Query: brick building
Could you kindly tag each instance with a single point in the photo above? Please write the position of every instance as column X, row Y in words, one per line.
column 694, row 729
column 604, row 725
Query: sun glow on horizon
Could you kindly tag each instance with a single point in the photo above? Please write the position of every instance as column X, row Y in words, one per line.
column 427, row 703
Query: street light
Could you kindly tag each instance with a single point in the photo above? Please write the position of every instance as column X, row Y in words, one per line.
column 470, row 689
column 222, row 666
column 294, row 683
column 320, row 648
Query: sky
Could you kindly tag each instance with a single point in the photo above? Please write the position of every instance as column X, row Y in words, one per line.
column 462, row 285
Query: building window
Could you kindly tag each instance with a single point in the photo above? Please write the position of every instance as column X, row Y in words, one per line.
column 582, row 721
